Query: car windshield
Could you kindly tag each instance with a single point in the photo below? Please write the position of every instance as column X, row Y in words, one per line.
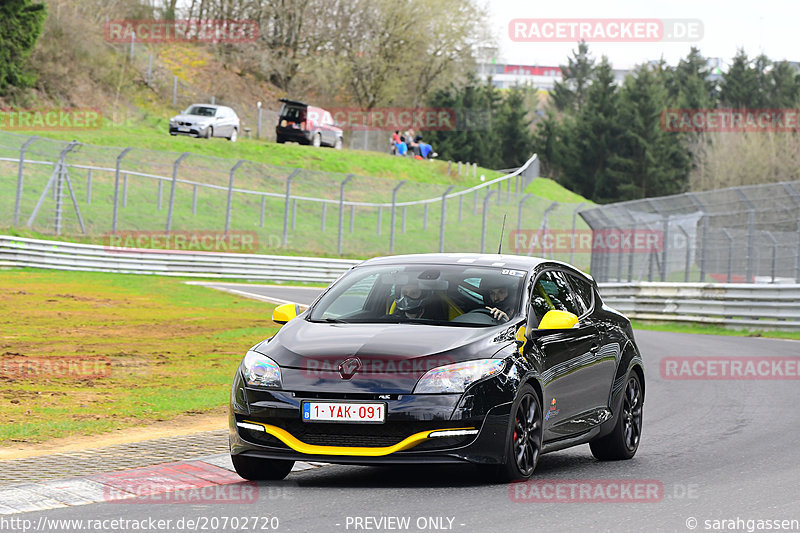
column 202, row 111
column 447, row 295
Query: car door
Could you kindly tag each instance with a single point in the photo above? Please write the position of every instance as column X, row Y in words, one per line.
column 601, row 372
column 565, row 357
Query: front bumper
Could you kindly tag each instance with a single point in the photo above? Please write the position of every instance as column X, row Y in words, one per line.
column 193, row 131
column 419, row 428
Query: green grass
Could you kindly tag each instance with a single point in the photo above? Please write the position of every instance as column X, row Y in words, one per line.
column 172, row 348
column 712, row 330
column 151, row 133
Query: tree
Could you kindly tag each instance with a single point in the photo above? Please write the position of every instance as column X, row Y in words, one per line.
column 598, row 132
column 569, row 94
column 742, row 85
column 651, row 161
column 688, row 85
column 783, row 86
column 20, row 26
column 513, row 129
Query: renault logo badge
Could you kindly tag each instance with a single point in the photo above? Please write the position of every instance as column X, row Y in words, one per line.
column 349, row 367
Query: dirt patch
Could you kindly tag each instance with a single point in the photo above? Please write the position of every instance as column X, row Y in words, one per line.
column 182, row 425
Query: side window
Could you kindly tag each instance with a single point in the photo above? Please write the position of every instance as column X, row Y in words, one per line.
column 584, row 290
column 552, row 291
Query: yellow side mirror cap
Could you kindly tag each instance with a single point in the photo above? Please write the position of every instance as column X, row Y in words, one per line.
column 284, row 313
column 556, row 319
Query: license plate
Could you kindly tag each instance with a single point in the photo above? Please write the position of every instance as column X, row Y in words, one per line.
column 371, row 413
column 183, row 128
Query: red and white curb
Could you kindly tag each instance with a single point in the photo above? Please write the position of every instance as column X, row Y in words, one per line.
column 207, row 480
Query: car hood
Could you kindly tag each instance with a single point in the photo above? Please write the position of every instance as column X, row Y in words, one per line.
column 303, row 344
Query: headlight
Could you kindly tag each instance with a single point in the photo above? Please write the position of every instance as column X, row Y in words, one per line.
column 261, row 371
column 458, row 376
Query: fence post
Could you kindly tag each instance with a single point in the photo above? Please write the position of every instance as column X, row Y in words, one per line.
column 125, row 190
column 394, row 214
column 294, row 213
column 194, row 200
column 160, row 192
column 18, row 201
column 89, row 186
column 174, row 90
column 774, row 253
column 444, row 216
column 262, row 210
column 475, row 203
column 116, row 189
column 258, row 120
column 172, row 188
column 425, row 218
column 688, row 255
column 149, row 69
column 341, row 213
column 286, row 207
column 352, row 217
column 324, row 210
column 701, row 262
column 403, row 221
column 460, row 205
column 574, row 226
column 730, row 253
column 380, row 215
column 229, row 204
column 751, row 223
column 483, row 222
column 133, row 41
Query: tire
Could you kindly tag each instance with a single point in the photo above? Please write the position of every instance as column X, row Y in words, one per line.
column 280, row 140
column 338, row 144
column 254, row 469
column 210, row 132
column 234, row 135
column 317, row 141
column 623, row 441
column 522, row 451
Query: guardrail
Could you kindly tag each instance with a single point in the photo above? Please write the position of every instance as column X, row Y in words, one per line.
column 746, row 305
column 58, row 255
column 743, row 305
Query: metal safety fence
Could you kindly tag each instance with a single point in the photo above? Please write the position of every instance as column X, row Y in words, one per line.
column 742, row 235
column 73, row 189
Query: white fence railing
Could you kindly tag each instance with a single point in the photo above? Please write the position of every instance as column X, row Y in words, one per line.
column 762, row 306
column 19, row 252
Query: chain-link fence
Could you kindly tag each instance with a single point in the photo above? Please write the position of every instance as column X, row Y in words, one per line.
column 55, row 187
column 741, row 234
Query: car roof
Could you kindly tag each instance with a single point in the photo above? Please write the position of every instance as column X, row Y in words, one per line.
column 516, row 262
column 496, row 260
column 291, row 102
column 215, row 106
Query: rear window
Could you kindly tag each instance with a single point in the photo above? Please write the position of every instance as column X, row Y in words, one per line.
column 293, row 113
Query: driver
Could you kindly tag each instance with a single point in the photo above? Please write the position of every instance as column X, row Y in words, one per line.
column 500, row 299
column 412, row 302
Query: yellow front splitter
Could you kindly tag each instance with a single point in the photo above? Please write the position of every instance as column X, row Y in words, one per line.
column 312, row 449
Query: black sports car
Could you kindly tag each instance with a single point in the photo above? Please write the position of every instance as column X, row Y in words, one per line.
column 441, row 358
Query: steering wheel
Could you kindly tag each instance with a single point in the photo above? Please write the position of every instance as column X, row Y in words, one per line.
column 484, row 311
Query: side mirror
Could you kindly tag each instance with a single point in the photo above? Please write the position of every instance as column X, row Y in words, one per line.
column 284, row 313
column 555, row 319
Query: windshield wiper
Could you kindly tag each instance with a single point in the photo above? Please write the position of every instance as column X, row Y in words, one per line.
column 334, row 321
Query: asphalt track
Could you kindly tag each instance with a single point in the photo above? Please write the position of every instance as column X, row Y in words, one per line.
column 716, row 450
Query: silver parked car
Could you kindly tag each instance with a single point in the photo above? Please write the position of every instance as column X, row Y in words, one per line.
column 206, row 120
